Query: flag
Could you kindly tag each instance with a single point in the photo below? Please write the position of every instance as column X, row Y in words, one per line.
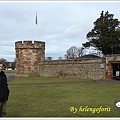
column 36, row 19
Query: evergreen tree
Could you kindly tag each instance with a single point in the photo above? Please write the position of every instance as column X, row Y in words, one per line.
column 105, row 35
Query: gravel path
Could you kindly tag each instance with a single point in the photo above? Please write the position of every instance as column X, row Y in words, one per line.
column 10, row 76
column 109, row 81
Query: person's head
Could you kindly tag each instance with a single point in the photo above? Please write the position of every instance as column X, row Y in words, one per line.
column 1, row 66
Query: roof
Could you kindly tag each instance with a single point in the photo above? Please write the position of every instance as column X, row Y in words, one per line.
column 90, row 56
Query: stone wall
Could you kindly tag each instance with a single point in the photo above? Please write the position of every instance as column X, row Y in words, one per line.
column 28, row 55
column 110, row 60
column 30, row 60
column 83, row 68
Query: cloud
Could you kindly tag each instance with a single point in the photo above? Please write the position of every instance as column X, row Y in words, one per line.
column 73, row 31
column 60, row 24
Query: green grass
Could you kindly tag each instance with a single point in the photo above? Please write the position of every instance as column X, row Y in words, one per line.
column 55, row 99
column 9, row 71
column 30, row 80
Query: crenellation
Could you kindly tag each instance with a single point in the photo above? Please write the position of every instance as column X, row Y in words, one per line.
column 29, row 44
column 18, row 43
column 28, row 55
column 30, row 60
column 39, row 44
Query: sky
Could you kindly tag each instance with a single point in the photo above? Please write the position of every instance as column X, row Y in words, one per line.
column 61, row 25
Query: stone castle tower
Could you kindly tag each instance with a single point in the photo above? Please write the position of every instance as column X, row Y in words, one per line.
column 28, row 55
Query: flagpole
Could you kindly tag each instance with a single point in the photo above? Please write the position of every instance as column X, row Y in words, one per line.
column 36, row 33
column 36, row 22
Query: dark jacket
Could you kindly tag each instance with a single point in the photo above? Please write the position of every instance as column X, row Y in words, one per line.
column 4, row 91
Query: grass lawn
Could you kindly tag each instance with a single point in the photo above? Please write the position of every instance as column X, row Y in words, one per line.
column 62, row 97
column 9, row 71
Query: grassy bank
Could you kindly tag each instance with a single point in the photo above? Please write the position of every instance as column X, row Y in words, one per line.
column 61, row 97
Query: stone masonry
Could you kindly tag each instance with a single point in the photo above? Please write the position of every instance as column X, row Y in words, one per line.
column 30, row 61
column 111, row 59
column 28, row 55
column 81, row 68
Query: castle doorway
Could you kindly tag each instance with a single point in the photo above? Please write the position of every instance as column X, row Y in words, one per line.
column 116, row 71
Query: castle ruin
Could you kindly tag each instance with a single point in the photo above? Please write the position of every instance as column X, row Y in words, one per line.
column 30, row 61
column 28, row 55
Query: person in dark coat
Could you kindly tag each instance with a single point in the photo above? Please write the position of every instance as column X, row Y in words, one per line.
column 4, row 92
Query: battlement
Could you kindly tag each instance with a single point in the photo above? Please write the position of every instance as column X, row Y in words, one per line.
column 29, row 44
column 28, row 55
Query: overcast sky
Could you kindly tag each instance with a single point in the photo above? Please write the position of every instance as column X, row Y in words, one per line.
column 61, row 25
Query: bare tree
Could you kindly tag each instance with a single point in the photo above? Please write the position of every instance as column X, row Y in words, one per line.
column 13, row 64
column 93, row 51
column 74, row 52
column 3, row 60
column 60, row 58
column 71, row 52
column 80, row 51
